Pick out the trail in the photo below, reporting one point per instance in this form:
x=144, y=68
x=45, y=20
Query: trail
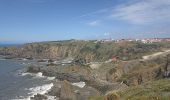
x=152, y=56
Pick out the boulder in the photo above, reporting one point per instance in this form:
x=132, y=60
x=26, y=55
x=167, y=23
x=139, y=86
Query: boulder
x=67, y=92
x=64, y=89
x=85, y=93
x=112, y=96
x=39, y=97
x=33, y=69
x=56, y=89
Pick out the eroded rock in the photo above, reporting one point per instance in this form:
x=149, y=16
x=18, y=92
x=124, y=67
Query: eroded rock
x=67, y=92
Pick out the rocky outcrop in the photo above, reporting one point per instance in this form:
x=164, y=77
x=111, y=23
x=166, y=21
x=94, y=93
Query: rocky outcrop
x=105, y=87
x=71, y=77
x=56, y=89
x=34, y=69
x=48, y=50
x=114, y=74
x=67, y=92
x=141, y=72
x=112, y=96
x=138, y=78
x=166, y=69
x=85, y=93
x=39, y=97
x=71, y=73
x=89, y=50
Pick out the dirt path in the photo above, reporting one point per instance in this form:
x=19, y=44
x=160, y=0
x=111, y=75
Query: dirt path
x=155, y=55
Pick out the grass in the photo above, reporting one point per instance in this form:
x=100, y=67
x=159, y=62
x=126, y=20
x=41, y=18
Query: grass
x=96, y=98
x=156, y=90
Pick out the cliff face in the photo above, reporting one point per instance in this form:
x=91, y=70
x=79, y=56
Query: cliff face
x=83, y=49
x=139, y=72
x=39, y=50
x=89, y=50
x=49, y=51
x=103, y=77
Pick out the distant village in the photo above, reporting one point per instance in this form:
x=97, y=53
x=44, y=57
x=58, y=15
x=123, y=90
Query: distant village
x=146, y=40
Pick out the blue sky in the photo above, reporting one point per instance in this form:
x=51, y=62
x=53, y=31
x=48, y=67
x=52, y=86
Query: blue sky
x=49, y=20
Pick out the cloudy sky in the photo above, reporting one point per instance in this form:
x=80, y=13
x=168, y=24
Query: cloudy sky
x=46, y=20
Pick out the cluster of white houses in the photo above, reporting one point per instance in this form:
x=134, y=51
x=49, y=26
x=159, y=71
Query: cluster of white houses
x=154, y=40
x=146, y=40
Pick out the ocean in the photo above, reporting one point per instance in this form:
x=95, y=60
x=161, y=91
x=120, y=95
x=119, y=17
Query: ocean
x=16, y=85
x=10, y=45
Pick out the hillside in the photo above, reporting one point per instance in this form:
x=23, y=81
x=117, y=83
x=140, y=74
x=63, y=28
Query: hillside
x=109, y=70
x=89, y=50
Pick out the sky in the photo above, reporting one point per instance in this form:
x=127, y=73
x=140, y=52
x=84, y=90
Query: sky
x=50, y=20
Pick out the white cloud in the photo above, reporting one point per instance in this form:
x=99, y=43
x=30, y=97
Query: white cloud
x=144, y=15
x=143, y=12
x=94, y=23
x=101, y=11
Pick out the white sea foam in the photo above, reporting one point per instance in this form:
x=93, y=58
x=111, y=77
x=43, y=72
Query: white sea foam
x=39, y=90
x=50, y=78
x=42, y=90
x=38, y=75
x=24, y=74
x=52, y=98
x=23, y=63
x=79, y=84
x=24, y=59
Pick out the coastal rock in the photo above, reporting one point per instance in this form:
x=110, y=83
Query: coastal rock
x=74, y=92
x=39, y=97
x=71, y=73
x=112, y=96
x=56, y=89
x=71, y=77
x=67, y=92
x=105, y=87
x=64, y=75
x=88, y=50
x=85, y=93
x=144, y=71
x=34, y=69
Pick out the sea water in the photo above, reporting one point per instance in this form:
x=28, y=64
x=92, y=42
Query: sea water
x=15, y=85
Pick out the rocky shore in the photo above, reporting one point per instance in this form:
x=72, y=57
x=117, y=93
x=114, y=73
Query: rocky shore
x=89, y=71
x=94, y=85
x=75, y=81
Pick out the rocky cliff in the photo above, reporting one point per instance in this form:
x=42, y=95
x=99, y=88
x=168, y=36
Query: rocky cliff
x=89, y=50
x=121, y=66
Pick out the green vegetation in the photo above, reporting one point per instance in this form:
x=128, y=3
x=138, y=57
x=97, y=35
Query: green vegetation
x=105, y=51
x=96, y=98
x=90, y=50
x=110, y=63
x=156, y=90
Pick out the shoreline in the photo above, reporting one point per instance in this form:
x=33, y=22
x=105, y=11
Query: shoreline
x=38, y=90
